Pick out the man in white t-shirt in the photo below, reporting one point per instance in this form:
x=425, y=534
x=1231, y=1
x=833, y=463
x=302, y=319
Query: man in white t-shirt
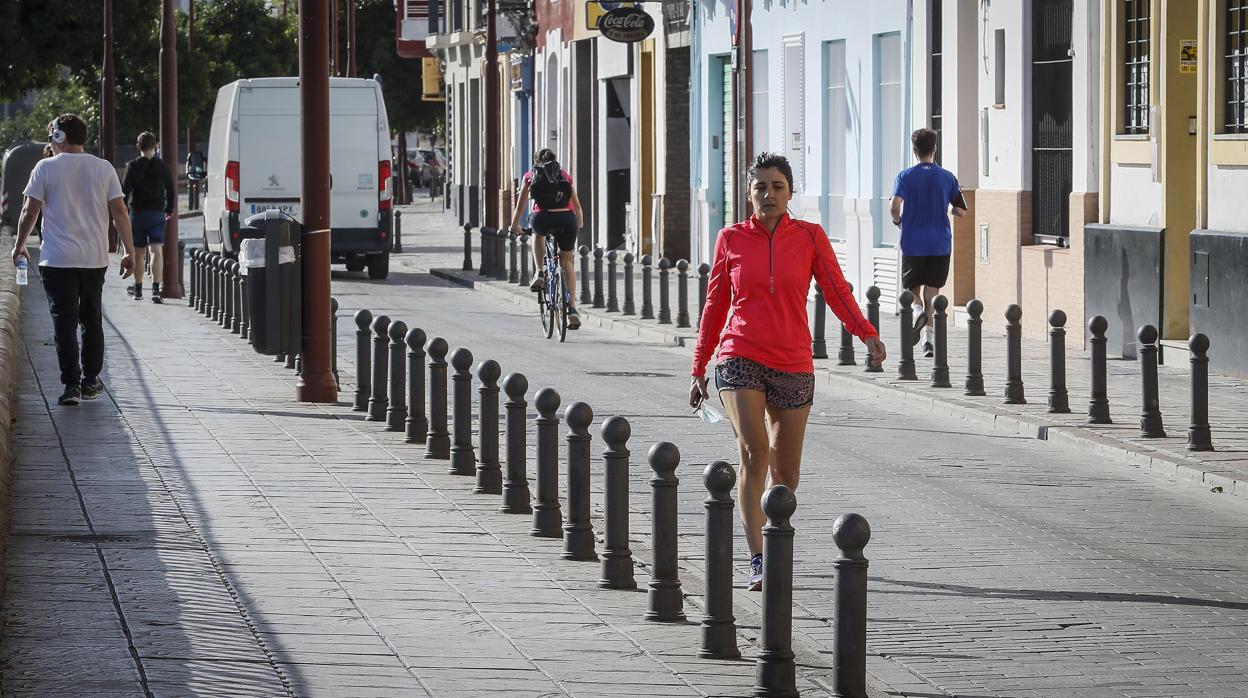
x=77, y=193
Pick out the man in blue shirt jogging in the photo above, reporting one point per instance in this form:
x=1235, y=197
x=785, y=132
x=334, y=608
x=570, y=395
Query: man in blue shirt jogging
x=927, y=190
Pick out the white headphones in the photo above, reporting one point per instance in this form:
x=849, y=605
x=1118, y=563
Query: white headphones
x=55, y=134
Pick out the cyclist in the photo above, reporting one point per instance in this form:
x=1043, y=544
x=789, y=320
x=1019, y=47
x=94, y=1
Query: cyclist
x=764, y=372
x=556, y=211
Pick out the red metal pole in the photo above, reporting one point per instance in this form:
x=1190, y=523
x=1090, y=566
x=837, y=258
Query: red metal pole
x=492, y=110
x=316, y=383
x=108, y=108
x=172, y=285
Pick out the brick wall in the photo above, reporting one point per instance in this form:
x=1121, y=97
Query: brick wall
x=677, y=216
x=998, y=281
x=961, y=286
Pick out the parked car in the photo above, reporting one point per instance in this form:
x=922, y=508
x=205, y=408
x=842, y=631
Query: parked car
x=425, y=165
x=19, y=161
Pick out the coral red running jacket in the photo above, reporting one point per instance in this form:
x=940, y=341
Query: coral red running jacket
x=764, y=278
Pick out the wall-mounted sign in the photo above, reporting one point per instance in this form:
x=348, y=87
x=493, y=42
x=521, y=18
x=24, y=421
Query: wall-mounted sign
x=595, y=9
x=626, y=25
x=1189, y=56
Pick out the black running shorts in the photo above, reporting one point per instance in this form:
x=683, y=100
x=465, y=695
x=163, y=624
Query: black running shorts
x=931, y=271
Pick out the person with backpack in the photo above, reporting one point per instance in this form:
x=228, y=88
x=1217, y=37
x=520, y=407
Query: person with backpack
x=148, y=188
x=556, y=211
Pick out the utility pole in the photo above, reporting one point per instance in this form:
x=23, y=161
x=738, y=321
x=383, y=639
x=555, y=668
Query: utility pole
x=491, y=114
x=316, y=382
x=108, y=108
x=190, y=131
x=352, y=59
x=172, y=286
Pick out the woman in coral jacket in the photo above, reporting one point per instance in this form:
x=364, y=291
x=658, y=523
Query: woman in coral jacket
x=763, y=370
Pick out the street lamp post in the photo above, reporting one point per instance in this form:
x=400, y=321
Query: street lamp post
x=108, y=107
x=316, y=382
x=172, y=285
x=491, y=114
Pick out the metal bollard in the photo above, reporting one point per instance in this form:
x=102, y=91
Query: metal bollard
x=333, y=333
x=240, y=301
x=682, y=293
x=363, y=318
x=905, y=367
x=1150, y=415
x=489, y=473
x=1198, y=436
x=774, y=671
x=578, y=534
x=463, y=455
x=613, y=305
x=665, y=603
x=940, y=348
x=417, y=424
x=1059, y=398
x=398, y=232
x=500, y=255
x=647, y=297
x=586, y=297
x=210, y=286
x=819, y=342
x=525, y=278
x=487, y=252
x=1014, y=356
x=629, y=307
x=873, y=316
x=513, y=271
x=719, y=626
x=974, y=349
x=704, y=280
x=467, y=249
x=516, y=487
x=438, y=440
x=396, y=410
x=851, y=533
x=190, y=297
x=598, y=301
x=218, y=299
x=197, y=266
x=244, y=326
x=292, y=359
x=1098, y=404
x=547, y=518
x=227, y=294
x=377, y=401
x=665, y=300
x=846, y=355
x=617, y=558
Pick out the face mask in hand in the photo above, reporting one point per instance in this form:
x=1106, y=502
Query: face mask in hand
x=709, y=414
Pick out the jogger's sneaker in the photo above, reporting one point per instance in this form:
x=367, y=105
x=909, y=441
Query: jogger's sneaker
x=919, y=323
x=91, y=389
x=928, y=350
x=574, y=319
x=539, y=281
x=70, y=396
x=156, y=294
x=756, y=573
x=158, y=300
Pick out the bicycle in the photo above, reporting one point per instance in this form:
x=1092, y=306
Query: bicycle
x=554, y=315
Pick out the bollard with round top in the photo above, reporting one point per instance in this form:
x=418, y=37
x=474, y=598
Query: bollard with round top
x=381, y=344
x=873, y=316
x=467, y=266
x=1014, y=356
x=774, y=671
x=905, y=366
x=851, y=533
x=586, y=297
x=333, y=335
x=417, y=424
x=719, y=626
x=214, y=288
x=363, y=318
x=513, y=272
x=236, y=320
x=525, y=278
x=227, y=294
x=578, y=534
x=438, y=440
x=547, y=517
x=244, y=325
x=396, y=410
x=665, y=300
x=1150, y=413
x=617, y=558
x=463, y=455
x=704, y=280
x=846, y=355
x=398, y=232
x=487, y=252
x=613, y=303
x=664, y=601
x=516, y=487
x=1059, y=398
x=598, y=298
x=629, y=307
x=500, y=255
x=647, y=296
x=1198, y=436
x=197, y=269
x=1098, y=403
x=940, y=344
x=489, y=473
x=974, y=349
x=819, y=338
x=190, y=297
x=682, y=293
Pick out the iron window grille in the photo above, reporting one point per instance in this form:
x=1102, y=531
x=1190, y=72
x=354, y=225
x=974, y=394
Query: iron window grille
x=1136, y=65
x=935, y=64
x=1236, y=87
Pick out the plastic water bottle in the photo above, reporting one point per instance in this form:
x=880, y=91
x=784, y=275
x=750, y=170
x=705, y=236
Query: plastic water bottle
x=22, y=276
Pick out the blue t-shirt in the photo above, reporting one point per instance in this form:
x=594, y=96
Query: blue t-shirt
x=927, y=190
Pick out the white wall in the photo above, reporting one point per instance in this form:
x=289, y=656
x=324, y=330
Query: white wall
x=1228, y=205
x=1009, y=132
x=1135, y=199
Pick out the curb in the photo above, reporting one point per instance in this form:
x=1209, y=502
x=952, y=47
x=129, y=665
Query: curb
x=10, y=357
x=1071, y=437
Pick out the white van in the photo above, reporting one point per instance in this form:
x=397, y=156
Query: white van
x=254, y=164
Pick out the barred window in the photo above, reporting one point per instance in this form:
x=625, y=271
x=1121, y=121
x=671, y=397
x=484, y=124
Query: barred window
x=936, y=61
x=1236, y=87
x=1136, y=65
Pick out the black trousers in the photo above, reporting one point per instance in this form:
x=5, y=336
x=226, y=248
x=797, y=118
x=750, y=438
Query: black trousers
x=74, y=297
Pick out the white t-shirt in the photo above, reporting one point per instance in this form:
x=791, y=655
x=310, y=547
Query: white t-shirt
x=75, y=189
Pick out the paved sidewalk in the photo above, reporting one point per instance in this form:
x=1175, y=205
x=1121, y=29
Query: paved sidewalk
x=440, y=248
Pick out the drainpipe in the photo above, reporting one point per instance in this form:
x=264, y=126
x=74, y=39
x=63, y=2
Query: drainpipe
x=746, y=97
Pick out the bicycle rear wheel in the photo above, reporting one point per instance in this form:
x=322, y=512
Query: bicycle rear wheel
x=545, y=312
x=562, y=304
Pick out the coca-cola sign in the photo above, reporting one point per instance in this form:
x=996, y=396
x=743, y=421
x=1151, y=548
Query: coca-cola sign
x=626, y=24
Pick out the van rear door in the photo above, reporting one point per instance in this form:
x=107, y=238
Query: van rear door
x=268, y=152
x=353, y=156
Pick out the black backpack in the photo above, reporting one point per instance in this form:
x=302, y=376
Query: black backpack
x=548, y=188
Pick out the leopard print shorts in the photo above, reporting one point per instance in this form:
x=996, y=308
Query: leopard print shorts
x=784, y=391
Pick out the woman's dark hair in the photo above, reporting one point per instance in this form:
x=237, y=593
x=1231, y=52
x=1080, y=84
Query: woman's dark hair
x=543, y=156
x=147, y=140
x=764, y=161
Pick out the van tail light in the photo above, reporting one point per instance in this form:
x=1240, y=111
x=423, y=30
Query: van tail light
x=231, y=186
x=385, y=198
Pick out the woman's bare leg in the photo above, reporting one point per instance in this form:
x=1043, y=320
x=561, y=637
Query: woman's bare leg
x=746, y=409
x=787, y=433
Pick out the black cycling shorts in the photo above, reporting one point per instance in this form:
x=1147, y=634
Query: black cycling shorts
x=561, y=224
x=931, y=271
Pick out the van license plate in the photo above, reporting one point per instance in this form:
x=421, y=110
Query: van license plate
x=290, y=209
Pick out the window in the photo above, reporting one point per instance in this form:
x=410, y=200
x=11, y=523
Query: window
x=934, y=67
x=760, y=105
x=836, y=120
x=1135, y=65
x=1236, y=88
x=891, y=138
x=998, y=64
